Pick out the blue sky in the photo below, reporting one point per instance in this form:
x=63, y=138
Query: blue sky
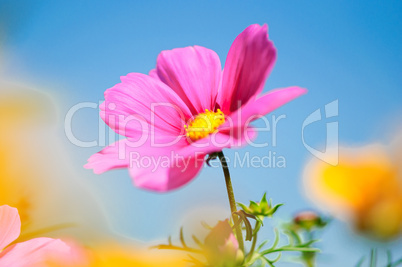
x=339, y=50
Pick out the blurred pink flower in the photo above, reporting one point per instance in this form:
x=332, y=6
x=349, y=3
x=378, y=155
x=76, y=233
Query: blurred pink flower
x=221, y=246
x=34, y=252
x=187, y=108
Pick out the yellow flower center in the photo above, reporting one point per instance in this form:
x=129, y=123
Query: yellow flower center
x=204, y=124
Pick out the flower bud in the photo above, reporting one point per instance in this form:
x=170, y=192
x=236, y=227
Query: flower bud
x=308, y=220
x=260, y=209
x=221, y=246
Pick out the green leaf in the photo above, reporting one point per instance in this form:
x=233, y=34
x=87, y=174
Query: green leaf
x=307, y=244
x=253, y=259
x=265, y=260
x=241, y=205
x=206, y=226
x=274, y=209
x=293, y=237
x=397, y=263
x=197, y=241
x=389, y=258
x=289, y=248
x=254, y=207
x=195, y=261
x=182, y=238
x=264, y=199
x=276, y=241
x=264, y=206
x=373, y=258
x=262, y=245
x=277, y=258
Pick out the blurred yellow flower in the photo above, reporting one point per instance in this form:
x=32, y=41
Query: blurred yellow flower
x=19, y=111
x=36, y=174
x=364, y=188
x=111, y=255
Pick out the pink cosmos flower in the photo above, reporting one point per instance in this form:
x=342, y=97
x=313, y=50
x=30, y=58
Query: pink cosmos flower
x=187, y=108
x=32, y=253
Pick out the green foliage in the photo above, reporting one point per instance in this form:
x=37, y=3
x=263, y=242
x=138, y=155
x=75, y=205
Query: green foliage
x=374, y=261
x=301, y=230
x=220, y=248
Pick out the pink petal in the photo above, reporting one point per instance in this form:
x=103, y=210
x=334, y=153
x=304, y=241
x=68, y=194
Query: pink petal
x=32, y=252
x=162, y=168
x=108, y=158
x=163, y=179
x=232, y=239
x=139, y=101
x=10, y=225
x=180, y=175
x=154, y=74
x=117, y=155
x=194, y=73
x=261, y=106
x=248, y=64
x=227, y=138
x=152, y=166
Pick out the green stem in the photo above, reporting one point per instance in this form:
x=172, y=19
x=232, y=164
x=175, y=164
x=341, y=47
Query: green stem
x=250, y=254
x=232, y=200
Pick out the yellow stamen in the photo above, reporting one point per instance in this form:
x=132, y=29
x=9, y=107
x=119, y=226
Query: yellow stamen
x=204, y=124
